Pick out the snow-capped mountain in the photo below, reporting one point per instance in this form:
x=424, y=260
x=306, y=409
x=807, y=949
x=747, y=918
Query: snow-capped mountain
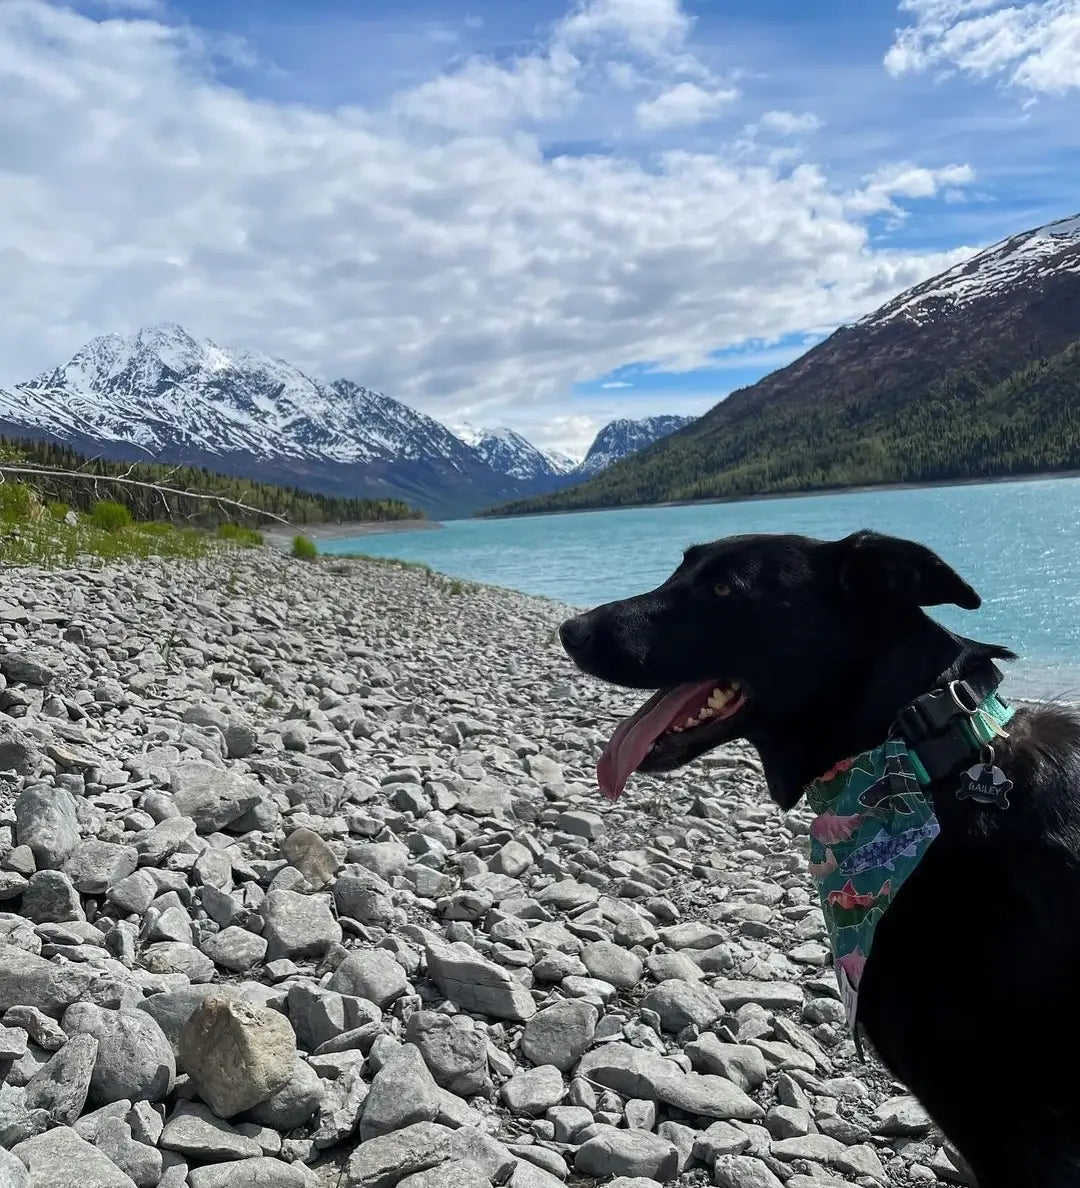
x=1021, y=260
x=507, y=452
x=619, y=439
x=162, y=394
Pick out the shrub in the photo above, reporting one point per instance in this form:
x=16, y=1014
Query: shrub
x=304, y=548
x=16, y=502
x=57, y=510
x=110, y=516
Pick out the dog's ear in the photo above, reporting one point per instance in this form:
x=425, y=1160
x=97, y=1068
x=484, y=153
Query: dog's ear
x=895, y=572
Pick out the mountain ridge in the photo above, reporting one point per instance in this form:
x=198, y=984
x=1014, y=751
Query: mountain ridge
x=970, y=374
x=162, y=395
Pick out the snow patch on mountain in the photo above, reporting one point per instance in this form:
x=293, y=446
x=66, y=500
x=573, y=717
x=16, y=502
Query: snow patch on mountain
x=1019, y=260
x=620, y=438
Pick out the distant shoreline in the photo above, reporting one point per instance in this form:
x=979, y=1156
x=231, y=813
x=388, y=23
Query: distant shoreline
x=860, y=489
x=281, y=534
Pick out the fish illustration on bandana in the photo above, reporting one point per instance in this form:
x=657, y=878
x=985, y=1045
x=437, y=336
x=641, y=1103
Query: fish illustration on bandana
x=872, y=828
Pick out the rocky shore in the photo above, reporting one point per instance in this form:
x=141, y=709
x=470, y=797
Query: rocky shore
x=304, y=880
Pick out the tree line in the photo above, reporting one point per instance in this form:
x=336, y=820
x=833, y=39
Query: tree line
x=291, y=503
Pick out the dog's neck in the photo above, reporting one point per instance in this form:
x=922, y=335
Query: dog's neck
x=856, y=710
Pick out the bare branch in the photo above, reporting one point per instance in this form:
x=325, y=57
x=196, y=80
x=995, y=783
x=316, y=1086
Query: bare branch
x=159, y=488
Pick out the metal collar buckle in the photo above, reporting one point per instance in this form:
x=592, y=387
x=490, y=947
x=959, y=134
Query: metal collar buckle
x=964, y=697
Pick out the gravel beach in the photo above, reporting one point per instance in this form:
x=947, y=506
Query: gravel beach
x=305, y=881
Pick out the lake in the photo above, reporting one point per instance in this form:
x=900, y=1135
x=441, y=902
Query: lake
x=1017, y=543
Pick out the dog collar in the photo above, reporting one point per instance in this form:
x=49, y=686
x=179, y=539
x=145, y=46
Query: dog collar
x=875, y=819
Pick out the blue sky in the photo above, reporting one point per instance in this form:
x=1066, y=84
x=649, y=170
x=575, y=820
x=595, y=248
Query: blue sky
x=536, y=214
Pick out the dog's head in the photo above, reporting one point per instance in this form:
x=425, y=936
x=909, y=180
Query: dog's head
x=751, y=635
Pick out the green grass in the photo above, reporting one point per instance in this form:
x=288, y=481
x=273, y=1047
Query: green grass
x=237, y=534
x=38, y=535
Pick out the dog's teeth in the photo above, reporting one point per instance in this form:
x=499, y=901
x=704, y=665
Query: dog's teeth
x=689, y=722
x=719, y=698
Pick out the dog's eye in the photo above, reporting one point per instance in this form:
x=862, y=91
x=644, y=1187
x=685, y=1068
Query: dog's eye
x=721, y=589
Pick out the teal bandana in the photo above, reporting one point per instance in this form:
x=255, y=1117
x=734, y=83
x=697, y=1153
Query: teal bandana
x=874, y=823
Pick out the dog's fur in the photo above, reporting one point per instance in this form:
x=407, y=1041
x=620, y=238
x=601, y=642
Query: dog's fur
x=971, y=996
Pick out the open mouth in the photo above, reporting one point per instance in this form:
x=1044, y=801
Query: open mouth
x=670, y=729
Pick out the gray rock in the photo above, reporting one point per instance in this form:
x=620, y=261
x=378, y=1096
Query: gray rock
x=309, y=854
x=134, y=1059
x=627, y=1153
x=94, y=866
x=383, y=1162
x=143, y=1163
x=403, y=1092
x=901, y=1116
x=819, y=1148
x=237, y=1054
x=21, y=669
x=741, y=1171
x=43, y=1031
x=319, y=1015
x=534, y=1091
x=18, y=751
x=29, y=980
x=741, y=1063
x=298, y=926
x=12, y=1043
x=294, y=1104
x=455, y=1173
x=454, y=1050
x=193, y=1130
x=211, y=796
x=13, y=1173
x=235, y=949
x=611, y=963
x=50, y=898
x=61, y=1087
x=251, y=1173
x=560, y=1034
x=47, y=822
x=634, y=1072
x=342, y=1106
x=60, y=1157
x=476, y=984
x=373, y=975
x=681, y=1004
x=773, y=996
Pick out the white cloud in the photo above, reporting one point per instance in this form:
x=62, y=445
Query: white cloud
x=683, y=105
x=789, y=123
x=1033, y=46
x=653, y=27
x=617, y=384
x=444, y=258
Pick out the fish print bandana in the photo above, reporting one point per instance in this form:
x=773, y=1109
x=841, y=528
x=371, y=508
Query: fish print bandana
x=874, y=824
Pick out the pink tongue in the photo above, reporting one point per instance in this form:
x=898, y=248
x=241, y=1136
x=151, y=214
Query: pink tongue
x=634, y=736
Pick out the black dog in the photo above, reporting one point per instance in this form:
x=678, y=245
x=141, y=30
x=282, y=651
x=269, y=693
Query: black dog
x=813, y=650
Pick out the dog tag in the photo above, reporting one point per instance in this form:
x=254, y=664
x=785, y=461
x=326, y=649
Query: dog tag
x=985, y=783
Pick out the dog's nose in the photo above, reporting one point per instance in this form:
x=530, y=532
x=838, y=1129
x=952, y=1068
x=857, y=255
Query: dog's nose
x=575, y=633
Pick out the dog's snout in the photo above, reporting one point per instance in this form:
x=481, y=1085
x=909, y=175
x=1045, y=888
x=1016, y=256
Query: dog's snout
x=575, y=633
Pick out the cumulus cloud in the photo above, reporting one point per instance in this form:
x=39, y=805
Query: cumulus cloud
x=789, y=123
x=682, y=105
x=1033, y=46
x=448, y=258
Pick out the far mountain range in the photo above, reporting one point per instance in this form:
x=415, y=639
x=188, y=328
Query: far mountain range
x=163, y=395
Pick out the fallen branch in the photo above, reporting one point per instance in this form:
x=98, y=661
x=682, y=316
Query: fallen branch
x=159, y=489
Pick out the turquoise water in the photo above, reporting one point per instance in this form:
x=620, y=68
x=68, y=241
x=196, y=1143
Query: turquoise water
x=1017, y=543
